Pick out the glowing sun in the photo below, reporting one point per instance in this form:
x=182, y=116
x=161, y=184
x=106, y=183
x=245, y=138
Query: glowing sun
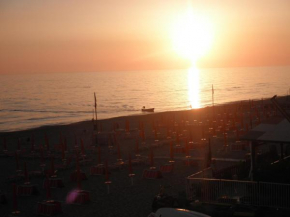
x=192, y=35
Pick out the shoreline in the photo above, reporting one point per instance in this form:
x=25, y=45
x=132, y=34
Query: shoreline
x=85, y=122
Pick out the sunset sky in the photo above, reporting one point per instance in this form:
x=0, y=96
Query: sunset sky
x=80, y=36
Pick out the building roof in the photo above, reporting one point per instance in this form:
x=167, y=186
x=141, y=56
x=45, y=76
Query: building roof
x=276, y=130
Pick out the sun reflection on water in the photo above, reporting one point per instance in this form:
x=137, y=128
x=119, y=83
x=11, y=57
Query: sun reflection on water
x=193, y=87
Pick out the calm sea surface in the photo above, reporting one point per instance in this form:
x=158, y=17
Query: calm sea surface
x=32, y=100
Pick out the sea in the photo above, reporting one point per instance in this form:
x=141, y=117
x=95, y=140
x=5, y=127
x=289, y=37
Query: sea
x=36, y=99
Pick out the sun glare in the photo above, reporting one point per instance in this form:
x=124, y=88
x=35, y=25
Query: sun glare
x=192, y=35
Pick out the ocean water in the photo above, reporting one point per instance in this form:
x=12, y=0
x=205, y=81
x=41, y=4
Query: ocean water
x=33, y=100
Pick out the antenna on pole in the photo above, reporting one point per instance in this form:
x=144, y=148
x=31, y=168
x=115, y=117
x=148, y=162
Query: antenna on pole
x=96, y=119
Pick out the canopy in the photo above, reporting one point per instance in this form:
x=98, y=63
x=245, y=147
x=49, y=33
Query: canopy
x=275, y=130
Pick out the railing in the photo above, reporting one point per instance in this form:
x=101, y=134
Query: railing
x=239, y=192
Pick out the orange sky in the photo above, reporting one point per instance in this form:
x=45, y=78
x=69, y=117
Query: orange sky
x=74, y=35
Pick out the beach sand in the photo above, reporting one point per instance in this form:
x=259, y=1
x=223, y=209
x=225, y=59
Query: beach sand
x=124, y=199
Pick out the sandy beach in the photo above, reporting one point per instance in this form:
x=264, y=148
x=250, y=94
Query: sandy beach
x=124, y=198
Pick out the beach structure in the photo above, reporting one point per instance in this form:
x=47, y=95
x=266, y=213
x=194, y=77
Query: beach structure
x=26, y=189
x=14, y=200
x=130, y=167
x=261, y=181
x=77, y=174
x=49, y=207
x=108, y=182
x=152, y=172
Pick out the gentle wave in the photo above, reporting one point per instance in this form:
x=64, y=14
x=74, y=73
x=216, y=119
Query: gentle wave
x=34, y=103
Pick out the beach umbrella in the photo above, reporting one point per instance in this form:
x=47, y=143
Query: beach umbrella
x=48, y=190
x=130, y=165
x=143, y=135
x=190, y=136
x=177, y=137
x=151, y=157
x=18, y=145
x=110, y=142
x=225, y=140
x=26, y=177
x=41, y=157
x=82, y=147
x=213, y=130
x=79, y=178
x=4, y=144
x=168, y=132
x=247, y=127
x=32, y=143
x=242, y=120
x=251, y=121
x=171, y=153
x=101, y=127
x=119, y=151
x=153, y=125
x=99, y=156
x=46, y=141
x=155, y=136
x=115, y=138
x=15, y=204
x=127, y=126
x=203, y=133
x=17, y=162
x=209, y=157
x=107, y=177
x=76, y=141
x=137, y=147
x=186, y=146
x=52, y=168
x=131, y=174
x=237, y=134
x=142, y=125
x=60, y=138
x=63, y=152
x=139, y=126
x=65, y=144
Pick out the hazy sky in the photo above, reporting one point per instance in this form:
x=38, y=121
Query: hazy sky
x=75, y=35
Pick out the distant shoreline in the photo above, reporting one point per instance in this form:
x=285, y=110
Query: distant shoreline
x=118, y=118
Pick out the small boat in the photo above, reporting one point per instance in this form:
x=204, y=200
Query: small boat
x=147, y=109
